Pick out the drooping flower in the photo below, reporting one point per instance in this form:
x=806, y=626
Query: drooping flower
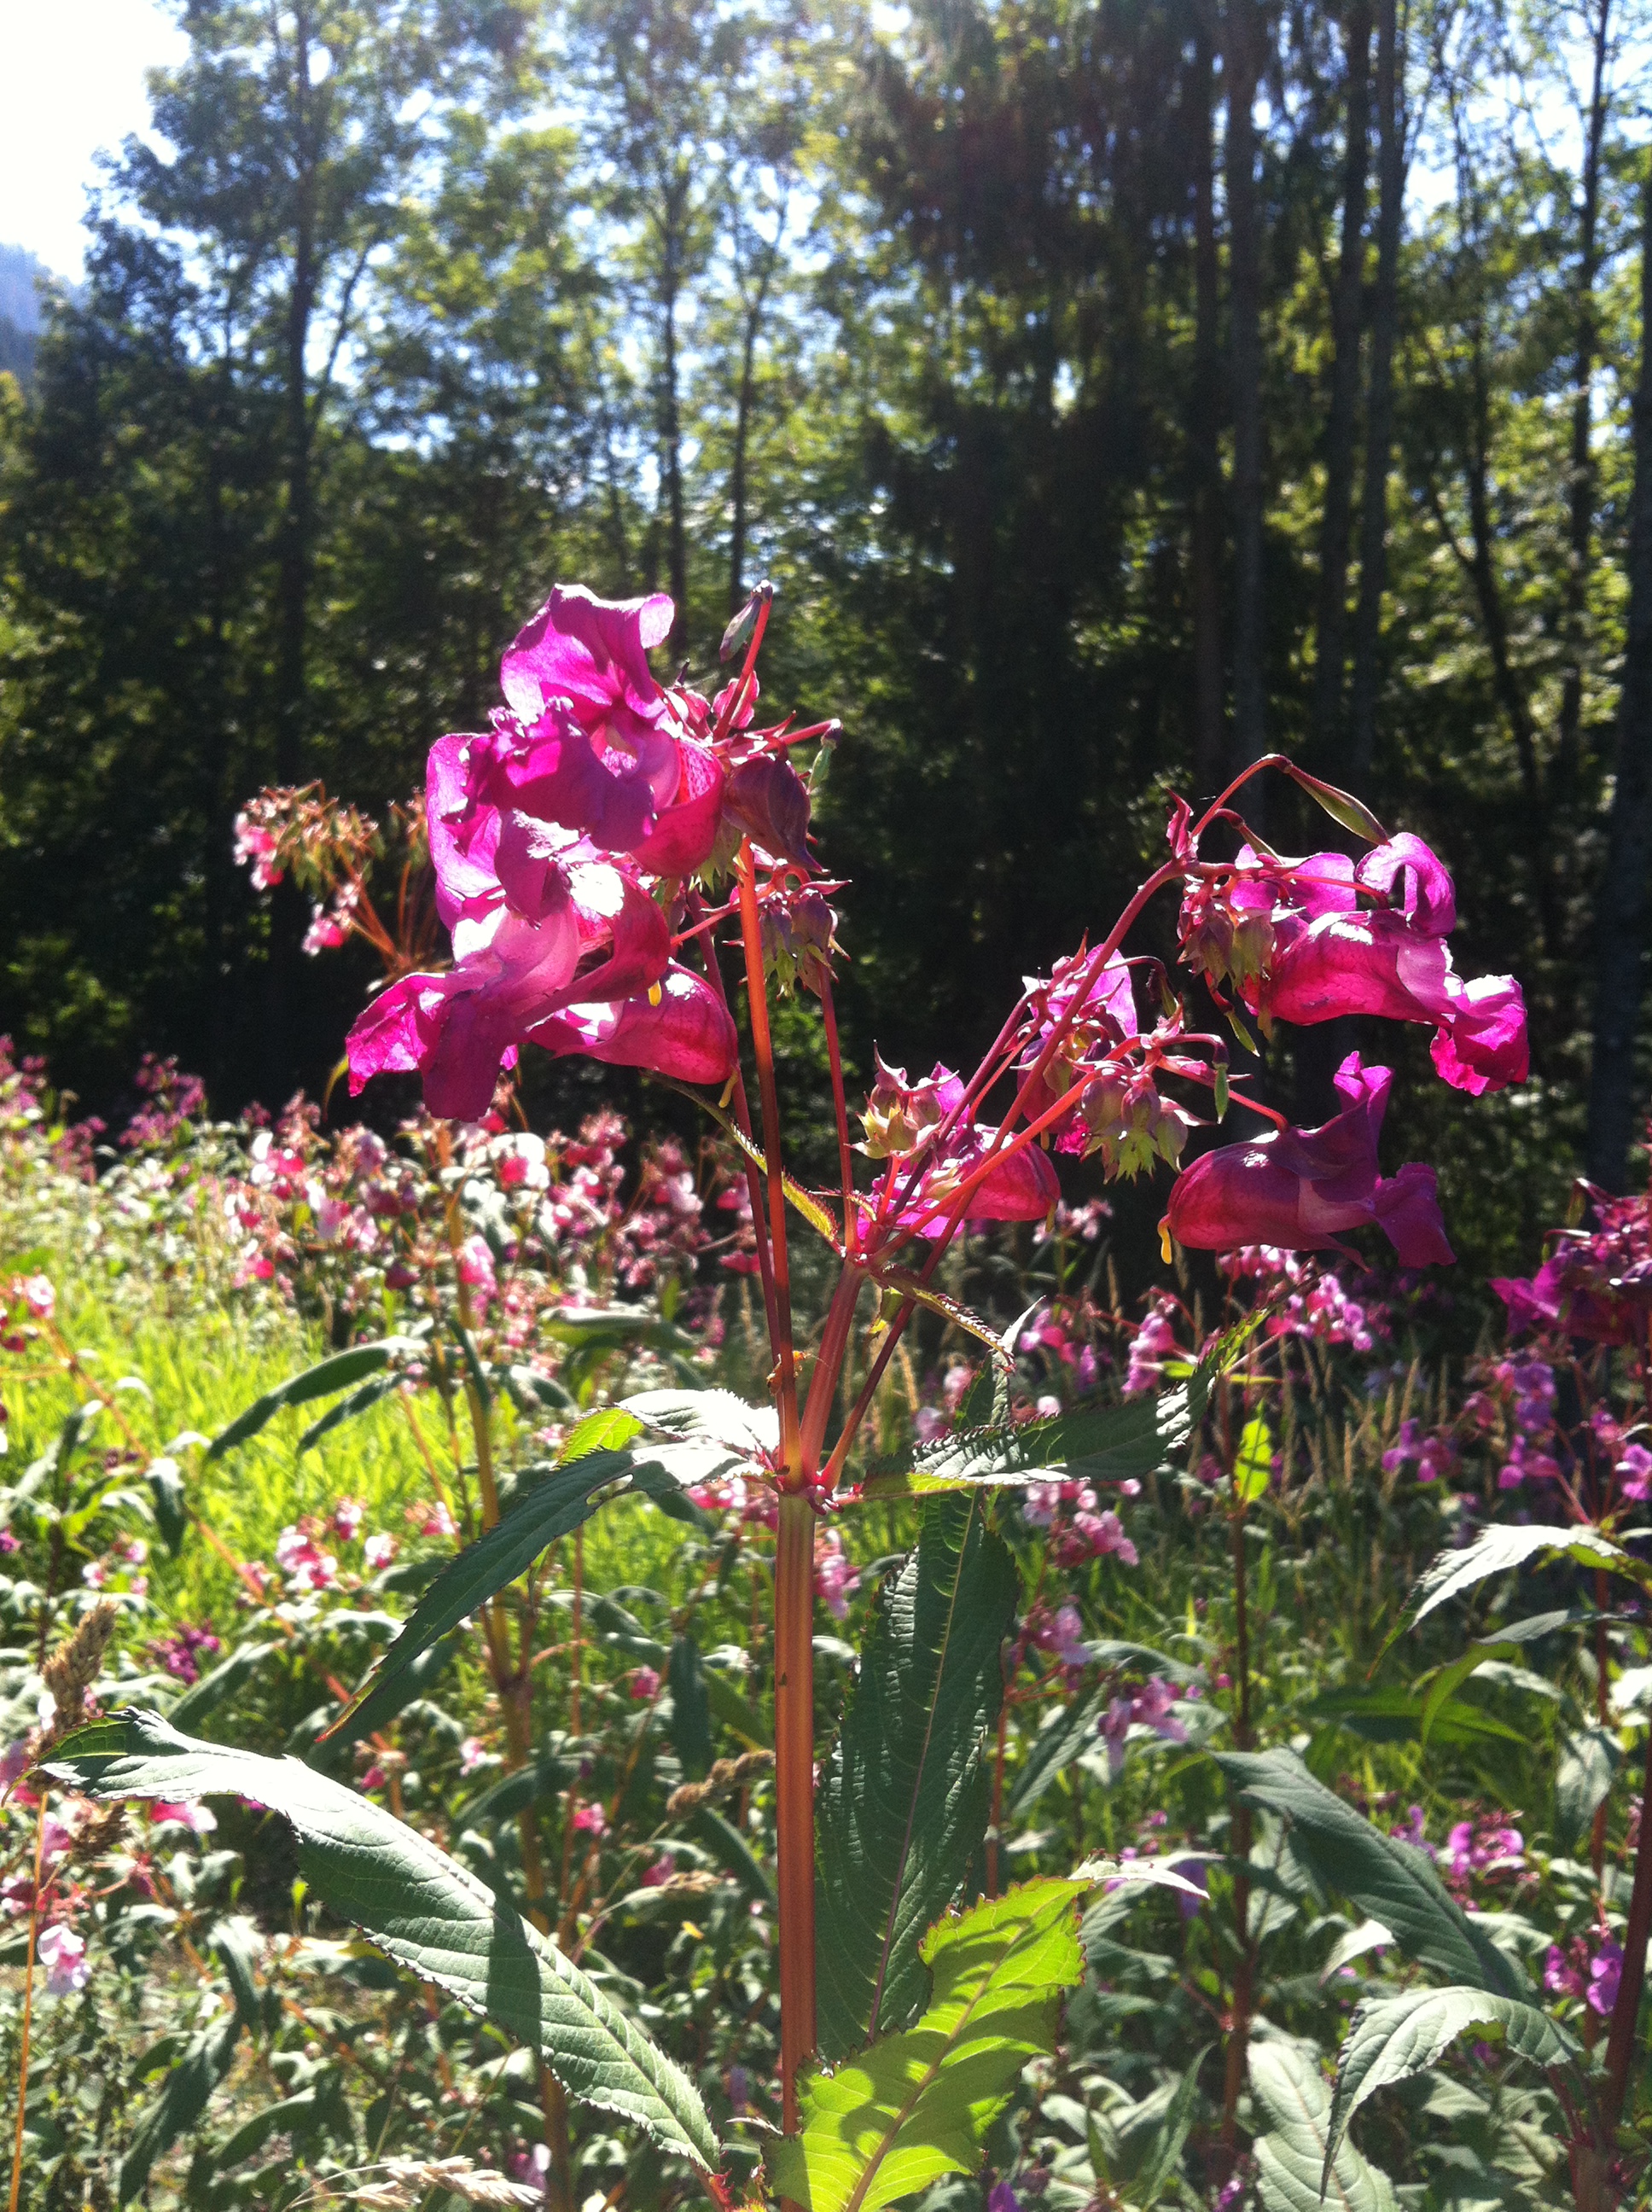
x=1298, y=944
x=1304, y=1189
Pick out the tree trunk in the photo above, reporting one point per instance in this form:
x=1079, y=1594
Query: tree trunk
x=1621, y=915
x=1205, y=550
x=294, y=555
x=1580, y=502
x=1336, y=524
x=737, y=474
x=1379, y=404
x=293, y=563
x=1243, y=28
x=670, y=414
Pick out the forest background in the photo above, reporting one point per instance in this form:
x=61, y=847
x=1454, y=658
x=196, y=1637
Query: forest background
x=1114, y=392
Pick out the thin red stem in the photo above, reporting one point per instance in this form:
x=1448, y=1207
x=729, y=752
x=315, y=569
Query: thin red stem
x=828, y=1365
x=785, y=1374
x=794, y=1788
x=753, y=1181
x=845, y=1158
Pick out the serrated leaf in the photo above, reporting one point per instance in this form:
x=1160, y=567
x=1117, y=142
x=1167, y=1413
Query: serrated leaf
x=1588, y=1759
x=420, y=1907
x=904, y=1799
x=916, y=2105
x=714, y=1417
x=1291, y=2157
x=338, y=1373
x=1391, y=2037
x=1391, y=1881
x=1498, y=1550
x=190, y=2080
x=1253, y=1468
x=960, y=1316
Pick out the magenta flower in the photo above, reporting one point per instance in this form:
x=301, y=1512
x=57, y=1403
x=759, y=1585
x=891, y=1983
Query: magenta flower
x=1303, y=1189
x=542, y=834
x=1605, y=1972
x=1297, y=942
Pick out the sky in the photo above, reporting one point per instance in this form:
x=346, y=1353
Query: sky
x=73, y=70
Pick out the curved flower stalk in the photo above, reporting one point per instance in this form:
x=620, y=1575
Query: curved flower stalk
x=608, y=840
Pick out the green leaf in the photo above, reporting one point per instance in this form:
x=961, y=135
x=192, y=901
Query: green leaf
x=603, y=1328
x=1588, y=1759
x=1253, y=1468
x=1498, y=1550
x=338, y=1373
x=550, y=1509
x=166, y=1480
x=1292, y=2157
x=733, y=1854
x=190, y=2080
x=903, y=1802
x=1390, y=1881
x=236, y=1941
x=422, y=1908
x=225, y=1678
x=362, y=1400
x=916, y=2105
x=1393, y=1715
x=1392, y=2037
x=691, y=1729
x=1164, y=2153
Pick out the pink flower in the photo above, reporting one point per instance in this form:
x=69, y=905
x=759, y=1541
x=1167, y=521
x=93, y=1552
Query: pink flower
x=1636, y=1468
x=475, y=1264
x=256, y=846
x=644, y=1683
x=656, y=1875
x=1153, y=1343
x=1302, y=1189
x=590, y=1820
x=1295, y=939
x=837, y=1576
x=346, y=1518
x=186, y=1813
x=1605, y=1972
x=472, y=1753
x=305, y=1566
x=324, y=934
x=378, y=1552
x=63, y=1953
x=1151, y=1706
x=38, y=1295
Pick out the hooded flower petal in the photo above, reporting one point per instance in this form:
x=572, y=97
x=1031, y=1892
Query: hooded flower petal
x=1303, y=1189
x=592, y=652
x=685, y=831
x=686, y=1032
x=1427, y=899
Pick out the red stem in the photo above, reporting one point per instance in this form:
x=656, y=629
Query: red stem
x=753, y=1181
x=785, y=1373
x=794, y=1788
x=828, y=1365
x=845, y=1161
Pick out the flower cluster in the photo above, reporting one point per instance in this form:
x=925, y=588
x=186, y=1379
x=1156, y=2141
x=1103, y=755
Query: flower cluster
x=1591, y=1973
x=565, y=839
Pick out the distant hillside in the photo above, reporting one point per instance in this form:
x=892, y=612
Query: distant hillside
x=21, y=275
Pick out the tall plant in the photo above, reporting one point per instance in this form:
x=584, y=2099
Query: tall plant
x=600, y=852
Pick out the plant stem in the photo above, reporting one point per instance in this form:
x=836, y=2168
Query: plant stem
x=845, y=1161
x=1239, y=2032
x=29, y=2003
x=1626, y=2013
x=794, y=1787
x=762, y=1044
